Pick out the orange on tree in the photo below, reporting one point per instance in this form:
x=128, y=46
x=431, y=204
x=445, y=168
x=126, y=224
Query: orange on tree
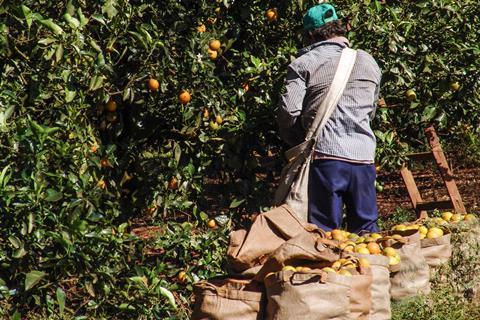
x=111, y=106
x=153, y=84
x=245, y=86
x=184, y=97
x=411, y=95
x=173, y=183
x=212, y=224
x=182, y=276
x=454, y=86
x=206, y=114
x=212, y=54
x=101, y=184
x=214, y=45
x=271, y=14
x=213, y=125
x=105, y=163
x=201, y=28
x=219, y=119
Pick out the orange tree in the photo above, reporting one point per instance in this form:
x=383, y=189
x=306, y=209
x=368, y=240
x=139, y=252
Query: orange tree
x=120, y=113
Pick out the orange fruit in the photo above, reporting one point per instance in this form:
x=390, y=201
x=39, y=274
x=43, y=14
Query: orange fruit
x=206, y=114
x=213, y=125
x=214, y=45
x=201, y=28
x=271, y=14
x=291, y=268
x=105, y=163
x=219, y=119
x=434, y=233
x=338, y=235
x=153, y=84
x=94, y=148
x=212, y=54
x=389, y=252
x=173, y=183
x=374, y=248
x=245, y=86
x=212, y=224
x=184, y=97
x=111, y=106
x=344, y=272
x=101, y=184
x=182, y=276
x=364, y=262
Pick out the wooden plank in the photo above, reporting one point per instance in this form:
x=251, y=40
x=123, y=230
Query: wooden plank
x=421, y=156
x=432, y=205
x=413, y=192
x=444, y=169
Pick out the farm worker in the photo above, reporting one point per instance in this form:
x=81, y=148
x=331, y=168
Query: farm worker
x=343, y=170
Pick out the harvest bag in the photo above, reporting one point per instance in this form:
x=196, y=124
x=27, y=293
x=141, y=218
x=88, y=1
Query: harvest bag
x=269, y=231
x=228, y=299
x=315, y=296
x=293, y=188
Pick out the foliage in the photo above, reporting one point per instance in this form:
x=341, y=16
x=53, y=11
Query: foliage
x=75, y=177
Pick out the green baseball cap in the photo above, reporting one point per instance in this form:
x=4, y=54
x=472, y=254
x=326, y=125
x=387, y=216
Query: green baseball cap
x=319, y=15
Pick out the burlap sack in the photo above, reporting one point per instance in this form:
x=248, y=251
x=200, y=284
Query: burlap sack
x=228, y=299
x=306, y=249
x=361, y=295
x=412, y=275
x=436, y=251
x=313, y=296
x=380, y=288
x=269, y=230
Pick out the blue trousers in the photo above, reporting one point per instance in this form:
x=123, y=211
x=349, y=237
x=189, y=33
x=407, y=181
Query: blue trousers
x=333, y=183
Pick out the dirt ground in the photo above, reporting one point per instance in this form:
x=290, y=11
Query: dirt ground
x=431, y=188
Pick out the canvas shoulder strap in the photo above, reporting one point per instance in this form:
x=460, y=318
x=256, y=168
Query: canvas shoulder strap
x=329, y=103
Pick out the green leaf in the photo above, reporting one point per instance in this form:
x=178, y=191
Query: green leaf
x=109, y=8
x=96, y=83
x=17, y=316
x=235, y=203
x=27, y=13
x=16, y=243
x=4, y=181
x=59, y=53
x=167, y=294
x=53, y=195
x=31, y=222
x=142, y=281
x=83, y=19
x=69, y=94
x=72, y=22
x=33, y=278
x=55, y=28
x=60, y=299
x=126, y=306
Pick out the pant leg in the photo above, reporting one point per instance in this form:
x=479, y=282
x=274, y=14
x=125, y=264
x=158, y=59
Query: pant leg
x=328, y=181
x=361, y=199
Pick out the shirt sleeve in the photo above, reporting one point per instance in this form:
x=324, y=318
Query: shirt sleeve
x=290, y=107
x=377, y=92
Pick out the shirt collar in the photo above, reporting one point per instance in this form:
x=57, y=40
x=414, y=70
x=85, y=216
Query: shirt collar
x=341, y=41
